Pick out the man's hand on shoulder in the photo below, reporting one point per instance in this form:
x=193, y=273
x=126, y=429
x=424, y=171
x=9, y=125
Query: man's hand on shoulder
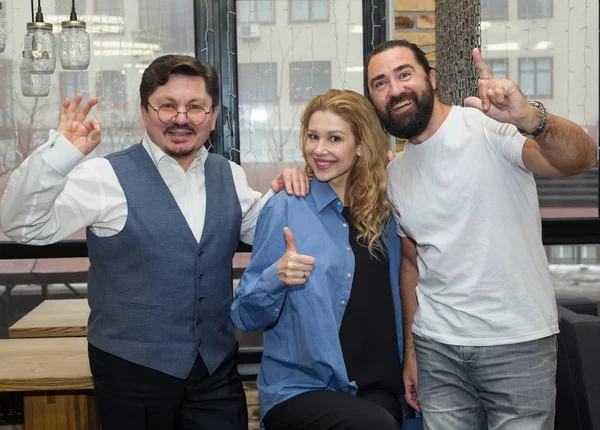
x=293, y=180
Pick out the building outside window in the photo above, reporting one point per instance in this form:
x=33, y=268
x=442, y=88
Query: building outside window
x=535, y=77
x=498, y=67
x=72, y=83
x=309, y=10
x=255, y=11
x=494, y=10
x=257, y=82
x=309, y=79
x=529, y=9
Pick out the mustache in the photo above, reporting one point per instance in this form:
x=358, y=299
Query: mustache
x=399, y=99
x=178, y=128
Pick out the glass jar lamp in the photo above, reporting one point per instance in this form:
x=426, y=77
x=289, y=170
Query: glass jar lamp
x=74, y=46
x=40, y=48
x=33, y=85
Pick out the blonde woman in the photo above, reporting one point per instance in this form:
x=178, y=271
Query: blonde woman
x=323, y=281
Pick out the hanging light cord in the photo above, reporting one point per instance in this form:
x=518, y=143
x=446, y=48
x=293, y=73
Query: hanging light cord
x=73, y=16
x=32, y=11
x=39, y=16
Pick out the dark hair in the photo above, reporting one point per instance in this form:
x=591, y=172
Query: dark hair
x=401, y=43
x=161, y=69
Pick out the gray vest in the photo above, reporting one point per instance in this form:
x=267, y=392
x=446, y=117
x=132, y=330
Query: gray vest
x=157, y=297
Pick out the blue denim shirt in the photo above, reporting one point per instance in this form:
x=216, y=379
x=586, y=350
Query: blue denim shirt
x=301, y=323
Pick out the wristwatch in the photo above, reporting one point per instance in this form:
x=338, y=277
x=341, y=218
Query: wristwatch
x=543, y=120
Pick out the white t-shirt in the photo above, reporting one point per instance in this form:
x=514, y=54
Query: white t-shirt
x=467, y=200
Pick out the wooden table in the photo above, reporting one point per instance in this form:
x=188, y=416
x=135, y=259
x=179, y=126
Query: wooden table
x=54, y=376
x=54, y=318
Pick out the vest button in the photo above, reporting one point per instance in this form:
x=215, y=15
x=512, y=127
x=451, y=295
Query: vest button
x=199, y=320
x=200, y=276
x=200, y=252
x=200, y=298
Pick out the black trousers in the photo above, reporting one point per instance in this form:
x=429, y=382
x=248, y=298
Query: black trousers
x=134, y=397
x=331, y=410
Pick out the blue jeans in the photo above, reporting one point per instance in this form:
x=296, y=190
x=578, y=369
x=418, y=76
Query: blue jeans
x=487, y=387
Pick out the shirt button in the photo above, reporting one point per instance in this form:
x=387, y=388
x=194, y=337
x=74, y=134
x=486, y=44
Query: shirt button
x=343, y=302
x=200, y=276
x=339, y=203
x=344, y=225
x=349, y=275
x=348, y=249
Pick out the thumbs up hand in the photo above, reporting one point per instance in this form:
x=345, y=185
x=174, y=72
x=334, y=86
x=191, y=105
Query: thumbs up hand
x=293, y=268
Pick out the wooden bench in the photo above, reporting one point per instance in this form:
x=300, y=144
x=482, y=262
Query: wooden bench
x=54, y=318
x=54, y=376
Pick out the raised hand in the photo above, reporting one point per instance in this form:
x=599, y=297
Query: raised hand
x=74, y=126
x=502, y=99
x=293, y=268
x=293, y=180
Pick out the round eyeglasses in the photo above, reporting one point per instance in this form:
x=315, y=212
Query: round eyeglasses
x=167, y=114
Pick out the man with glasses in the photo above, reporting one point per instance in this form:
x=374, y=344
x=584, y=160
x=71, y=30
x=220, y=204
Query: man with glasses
x=164, y=218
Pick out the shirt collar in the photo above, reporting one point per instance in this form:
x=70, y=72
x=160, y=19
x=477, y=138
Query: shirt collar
x=323, y=194
x=158, y=154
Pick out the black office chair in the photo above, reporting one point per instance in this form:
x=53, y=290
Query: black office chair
x=578, y=372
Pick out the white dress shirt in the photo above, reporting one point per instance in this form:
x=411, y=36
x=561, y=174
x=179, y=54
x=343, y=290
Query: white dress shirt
x=52, y=195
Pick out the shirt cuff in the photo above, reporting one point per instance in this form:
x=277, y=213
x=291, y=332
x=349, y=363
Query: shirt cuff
x=275, y=288
x=60, y=154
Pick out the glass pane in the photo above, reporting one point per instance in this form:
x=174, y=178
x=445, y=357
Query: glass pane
x=300, y=10
x=264, y=10
x=552, y=53
x=320, y=9
x=575, y=271
x=493, y=9
x=72, y=83
x=527, y=83
x=306, y=60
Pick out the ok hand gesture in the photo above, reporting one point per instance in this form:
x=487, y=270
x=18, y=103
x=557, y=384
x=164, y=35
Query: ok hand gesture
x=501, y=99
x=293, y=268
x=72, y=124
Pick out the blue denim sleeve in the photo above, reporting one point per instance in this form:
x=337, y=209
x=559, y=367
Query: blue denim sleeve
x=260, y=294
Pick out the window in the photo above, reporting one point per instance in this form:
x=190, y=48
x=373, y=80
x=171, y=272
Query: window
x=535, y=77
x=534, y=9
x=255, y=11
x=309, y=79
x=309, y=10
x=63, y=7
x=494, y=9
x=109, y=7
x=257, y=83
x=499, y=67
x=111, y=89
x=6, y=105
x=71, y=83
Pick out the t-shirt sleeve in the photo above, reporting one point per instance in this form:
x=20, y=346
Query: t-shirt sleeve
x=506, y=140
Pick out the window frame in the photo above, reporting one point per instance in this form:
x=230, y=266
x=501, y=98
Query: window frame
x=274, y=100
x=257, y=21
x=310, y=19
x=536, y=70
x=537, y=15
x=292, y=80
x=506, y=12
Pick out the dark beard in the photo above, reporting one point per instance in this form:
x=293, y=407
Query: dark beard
x=410, y=125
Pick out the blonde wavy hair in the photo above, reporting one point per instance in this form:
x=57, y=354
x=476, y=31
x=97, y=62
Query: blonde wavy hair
x=365, y=191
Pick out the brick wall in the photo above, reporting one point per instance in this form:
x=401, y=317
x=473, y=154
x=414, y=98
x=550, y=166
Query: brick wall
x=414, y=20
x=252, y=401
